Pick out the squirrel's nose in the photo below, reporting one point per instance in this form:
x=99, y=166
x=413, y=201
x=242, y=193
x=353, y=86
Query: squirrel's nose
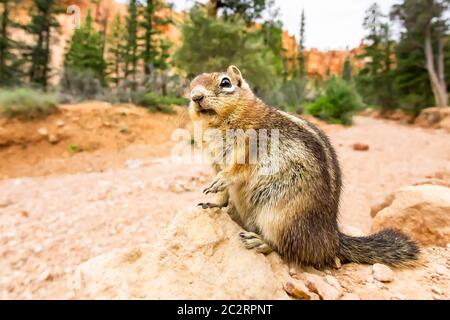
x=197, y=95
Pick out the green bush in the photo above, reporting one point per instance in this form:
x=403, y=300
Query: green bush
x=338, y=103
x=157, y=103
x=80, y=85
x=288, y=95
x=26, y=103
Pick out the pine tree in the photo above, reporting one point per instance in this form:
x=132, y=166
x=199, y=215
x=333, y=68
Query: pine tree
x=116, y=50
x=301, y=47
x=273, y=37
x=10, y=62
x=375, y=80
x=85, y=52
x=246, y=49
x=154, y=53
x=43, y=22
x=249, y=10
x=347, y=70
x=132, y=47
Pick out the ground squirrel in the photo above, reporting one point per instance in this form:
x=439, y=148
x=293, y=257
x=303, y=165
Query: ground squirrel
x=293, y=211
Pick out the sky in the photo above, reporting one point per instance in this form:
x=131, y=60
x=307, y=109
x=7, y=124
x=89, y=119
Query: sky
x=330, y=24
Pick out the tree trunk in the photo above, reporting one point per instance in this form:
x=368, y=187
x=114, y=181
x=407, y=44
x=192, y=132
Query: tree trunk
x=441, y=69
x=438, y=87
x=34, y=59
x=45, y=75
x=116, y=70
x=4, y=36
x=105, y=24
x=148, y=38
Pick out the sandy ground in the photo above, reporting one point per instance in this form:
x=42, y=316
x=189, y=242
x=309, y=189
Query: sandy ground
x=399, y=155
x=49, y=224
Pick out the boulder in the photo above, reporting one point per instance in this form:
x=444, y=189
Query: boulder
x=382, y=273
x=445, y=124
x=422, y=212
x=434, y=117
x=380, y=206
x=199, y=256
x=395, y=115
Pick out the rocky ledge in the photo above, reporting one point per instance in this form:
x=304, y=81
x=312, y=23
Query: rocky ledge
x=199, y=256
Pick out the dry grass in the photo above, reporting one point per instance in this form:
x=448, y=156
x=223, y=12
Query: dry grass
x=25, y=103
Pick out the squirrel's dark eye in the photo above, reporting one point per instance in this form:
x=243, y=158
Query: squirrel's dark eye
x=225, y=83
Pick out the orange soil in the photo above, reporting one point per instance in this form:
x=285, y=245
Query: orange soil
x=88, y=137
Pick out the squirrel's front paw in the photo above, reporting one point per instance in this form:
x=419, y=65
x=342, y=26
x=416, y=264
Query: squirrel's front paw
x=219, y=184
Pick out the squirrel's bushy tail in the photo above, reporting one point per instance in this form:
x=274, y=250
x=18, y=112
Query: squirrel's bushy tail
x=390, y=247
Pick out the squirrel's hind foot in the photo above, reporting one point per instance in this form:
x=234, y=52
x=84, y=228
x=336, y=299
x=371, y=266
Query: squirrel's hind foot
x=252, y=240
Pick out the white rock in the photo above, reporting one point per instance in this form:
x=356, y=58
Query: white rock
x=333, y=281
x=325, y=290
x=436, y=290
x=60, y=123
x=292, y=271
x=43, y=132
x=133, y=164
x=350, y=296
x=53, y=138
x=370, y=279
x=382, y=273
x=352, y=231
x=440, y=269
x=398, y=296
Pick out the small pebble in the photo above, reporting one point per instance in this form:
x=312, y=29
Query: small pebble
x=436, y=290
x=382, y=273
x=398, y=296
x=53, y=138
x=333, y=281
x=297, y=291
x=350, y=296
x=292, y=272
x=43, y=131
x=370, y=279
x=337, y=263
x=440, y=269
x=360, y=147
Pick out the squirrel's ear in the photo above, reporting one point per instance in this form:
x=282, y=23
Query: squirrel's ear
x=236, y=74
x=233, y=70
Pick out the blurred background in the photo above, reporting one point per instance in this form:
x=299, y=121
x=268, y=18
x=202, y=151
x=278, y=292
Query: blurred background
x=387, y=55
x=91, y=92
